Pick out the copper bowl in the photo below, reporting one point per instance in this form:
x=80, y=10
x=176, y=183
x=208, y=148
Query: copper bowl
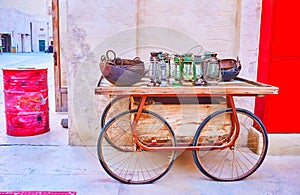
x=229, y=63
x=230, y=68
x=124, y=74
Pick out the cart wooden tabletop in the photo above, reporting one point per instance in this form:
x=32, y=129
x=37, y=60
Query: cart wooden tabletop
x=236, y=87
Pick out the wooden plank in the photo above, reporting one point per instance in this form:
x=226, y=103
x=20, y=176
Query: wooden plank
x=63, y=90
x=179, y=116
x=255, y=83
x=238, y=87
x=59, y=100
x=183, y=123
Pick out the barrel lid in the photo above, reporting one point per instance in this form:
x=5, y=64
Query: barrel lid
x=24, y=68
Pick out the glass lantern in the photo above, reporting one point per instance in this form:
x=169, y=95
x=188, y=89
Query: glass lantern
x=163, y=73
x=188, y=68
x=212, y=73
x=155, y=73
x=198, y=67
x=177, y=69
x=166, y=59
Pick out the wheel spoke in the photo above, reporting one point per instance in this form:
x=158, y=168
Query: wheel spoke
x=118, y=154
x=238, y=161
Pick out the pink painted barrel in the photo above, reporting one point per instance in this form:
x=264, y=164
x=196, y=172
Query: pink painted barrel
x=26, y=101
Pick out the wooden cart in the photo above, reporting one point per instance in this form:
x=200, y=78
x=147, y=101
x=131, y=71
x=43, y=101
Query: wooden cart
x=139, y=146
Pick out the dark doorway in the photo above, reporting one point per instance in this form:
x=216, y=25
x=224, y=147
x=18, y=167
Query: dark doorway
x=6, y=42
x=42, y=45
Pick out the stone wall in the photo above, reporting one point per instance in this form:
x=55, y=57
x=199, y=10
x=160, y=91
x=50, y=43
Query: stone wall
x=133, y=28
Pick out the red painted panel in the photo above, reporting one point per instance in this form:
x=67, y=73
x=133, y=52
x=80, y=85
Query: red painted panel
x=266, y=30
x=279, y=65
x=286, y=41
x=280, y=114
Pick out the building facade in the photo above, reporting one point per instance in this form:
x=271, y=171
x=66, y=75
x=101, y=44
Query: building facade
x=25, y=27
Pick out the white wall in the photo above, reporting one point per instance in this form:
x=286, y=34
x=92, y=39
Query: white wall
x=211, y=23
x=15, y=20
x=132, y=27
x=32, y=7
x=90, y=24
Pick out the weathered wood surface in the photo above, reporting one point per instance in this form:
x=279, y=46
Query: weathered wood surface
x=186, y=118
x=183, y=118
x=237, y=87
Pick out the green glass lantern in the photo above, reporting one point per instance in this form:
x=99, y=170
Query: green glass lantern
x=189, y=72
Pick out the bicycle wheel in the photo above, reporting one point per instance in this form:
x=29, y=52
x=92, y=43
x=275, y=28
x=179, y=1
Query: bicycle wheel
x=230, y=163
x=116, y=106
x=124, y=160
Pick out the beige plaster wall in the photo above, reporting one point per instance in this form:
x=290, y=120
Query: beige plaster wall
x=131, y=27
x=39, y=7
x=63, y=7
x=249, y=45
x=211, y=23
x=90, y=25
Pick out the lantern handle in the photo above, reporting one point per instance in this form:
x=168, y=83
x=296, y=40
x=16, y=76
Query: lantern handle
x=196, y=47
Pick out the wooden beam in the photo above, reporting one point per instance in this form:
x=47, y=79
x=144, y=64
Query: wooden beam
x=56, y=56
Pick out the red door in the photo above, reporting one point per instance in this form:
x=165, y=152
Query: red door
x=279, y=65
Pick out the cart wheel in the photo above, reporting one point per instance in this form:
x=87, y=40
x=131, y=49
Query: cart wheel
x=116, y=106
x=124, y=160
x=113, y=108
x=230, y=163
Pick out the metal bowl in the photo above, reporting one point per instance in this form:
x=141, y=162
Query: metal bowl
x=231, y=73
x=230, y=68
x=123, y=75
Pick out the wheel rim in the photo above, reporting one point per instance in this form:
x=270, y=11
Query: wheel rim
x=116, y=106
x=239, y=161
x=123, y=160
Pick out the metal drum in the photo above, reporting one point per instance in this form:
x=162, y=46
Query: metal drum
x=26, y=101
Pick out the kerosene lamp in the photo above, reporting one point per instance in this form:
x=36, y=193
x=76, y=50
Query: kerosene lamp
x=189, y=69
x=212, y=74
x=198, y=67
x=167, y=59
x=164, y=64
x=155, y=73
x=177, y=69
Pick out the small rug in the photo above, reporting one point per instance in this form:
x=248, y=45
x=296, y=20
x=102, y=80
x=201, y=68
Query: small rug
x=37, y=193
